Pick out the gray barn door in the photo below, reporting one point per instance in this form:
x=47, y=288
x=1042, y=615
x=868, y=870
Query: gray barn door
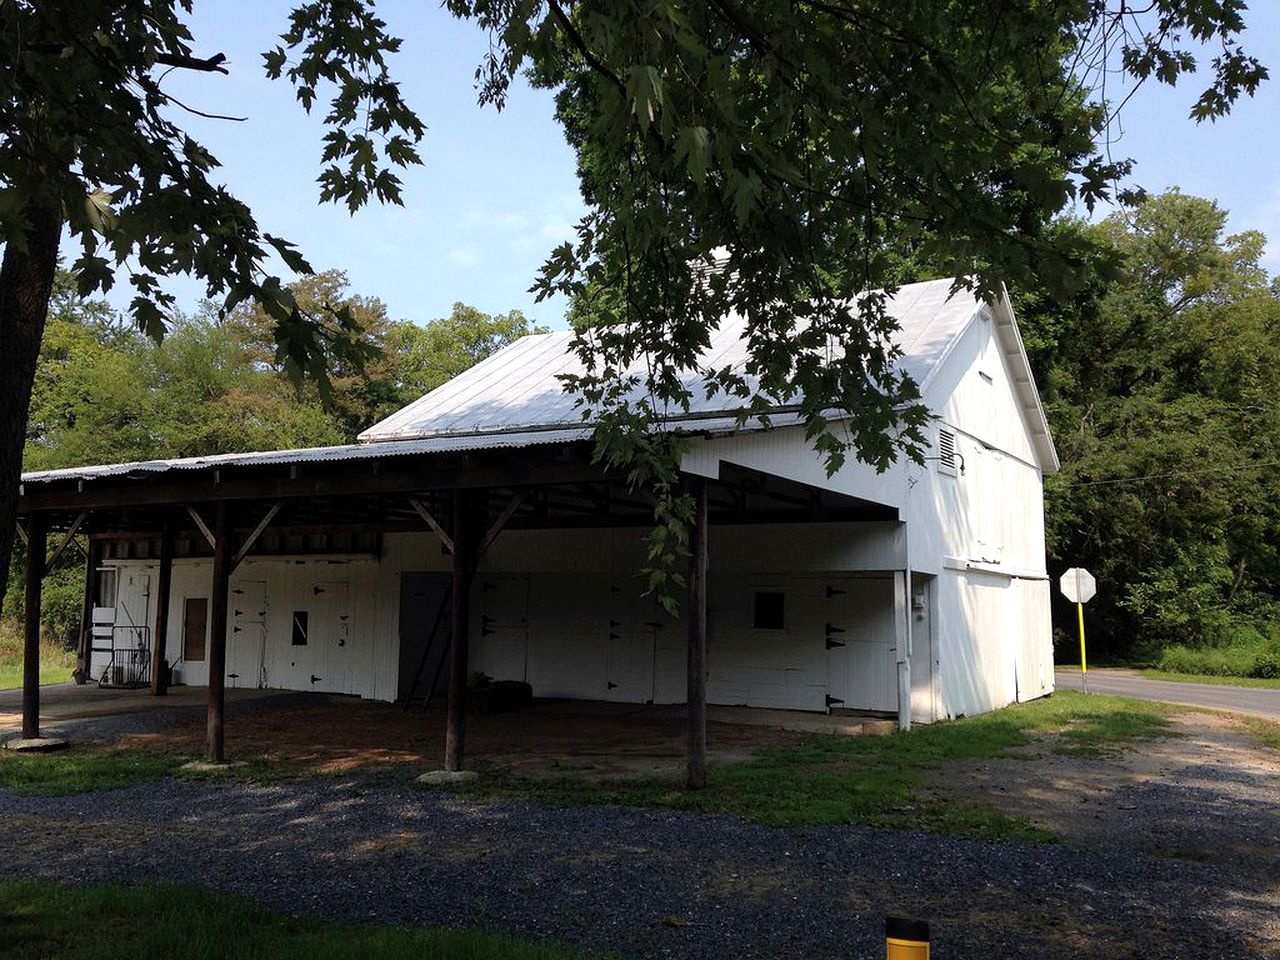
x=422, y=600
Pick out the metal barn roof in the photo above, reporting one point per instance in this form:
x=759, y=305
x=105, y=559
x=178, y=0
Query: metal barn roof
x=519, y=387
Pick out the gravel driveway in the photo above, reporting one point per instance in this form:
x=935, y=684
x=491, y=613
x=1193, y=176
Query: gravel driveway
x=641, y=883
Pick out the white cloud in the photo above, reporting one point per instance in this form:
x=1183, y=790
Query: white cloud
x=465, y=256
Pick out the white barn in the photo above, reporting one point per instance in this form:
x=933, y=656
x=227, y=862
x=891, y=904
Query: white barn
x=920, y=592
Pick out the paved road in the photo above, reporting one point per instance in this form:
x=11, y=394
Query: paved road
x=1128, y=683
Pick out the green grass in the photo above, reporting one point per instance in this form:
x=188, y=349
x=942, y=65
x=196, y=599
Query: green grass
x=879, y=781
x=1154, y=674
x=56, y=661
x=79, y=769
x=178, y=923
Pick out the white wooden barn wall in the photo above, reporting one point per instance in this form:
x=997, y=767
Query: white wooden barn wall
x=564, y=610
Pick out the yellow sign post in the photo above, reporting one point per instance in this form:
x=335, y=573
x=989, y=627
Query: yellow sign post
x=1079, y=586
x=1084, y=663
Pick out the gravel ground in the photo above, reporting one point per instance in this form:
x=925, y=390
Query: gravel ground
x=1208, y=794
x=638, y=882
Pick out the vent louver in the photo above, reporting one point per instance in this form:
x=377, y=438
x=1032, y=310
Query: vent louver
x=946, y=452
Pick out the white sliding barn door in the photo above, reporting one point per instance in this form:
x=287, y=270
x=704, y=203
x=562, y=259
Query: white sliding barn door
x=861, y=644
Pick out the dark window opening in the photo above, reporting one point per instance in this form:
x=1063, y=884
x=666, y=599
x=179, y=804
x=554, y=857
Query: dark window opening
x=770, y=611
x=299, y=628
x=104, y=593
x=195, y=626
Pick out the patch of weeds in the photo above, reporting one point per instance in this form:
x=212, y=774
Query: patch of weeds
x=1268, y=731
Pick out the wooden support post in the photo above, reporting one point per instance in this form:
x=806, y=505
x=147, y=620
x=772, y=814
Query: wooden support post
x=697, y=616
x=31, y=641
x=456, y=729
x=218, y=631
x=159, y=655
x=84, y=652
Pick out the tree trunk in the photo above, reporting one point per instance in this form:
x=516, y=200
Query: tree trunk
x=26, y=282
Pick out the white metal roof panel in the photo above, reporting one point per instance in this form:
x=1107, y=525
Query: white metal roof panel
x=519, y=387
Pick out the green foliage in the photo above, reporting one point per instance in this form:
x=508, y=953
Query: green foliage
x=90, y=136
x=1246, y=652
x=185, y=923
x=1158, y=380
x=775, y=160
x=440, y=350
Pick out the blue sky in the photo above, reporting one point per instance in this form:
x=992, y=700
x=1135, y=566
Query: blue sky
x=498, y=190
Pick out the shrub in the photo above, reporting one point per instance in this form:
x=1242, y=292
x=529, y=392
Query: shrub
x=1266, y=667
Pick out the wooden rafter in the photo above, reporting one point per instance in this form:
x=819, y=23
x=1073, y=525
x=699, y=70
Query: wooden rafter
x=250, y=540
x=507, y=512
x=203, y=527
x=421, y=509
x=66, y=539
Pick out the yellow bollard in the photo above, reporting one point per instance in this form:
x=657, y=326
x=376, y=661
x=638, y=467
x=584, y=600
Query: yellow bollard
x=906, y=939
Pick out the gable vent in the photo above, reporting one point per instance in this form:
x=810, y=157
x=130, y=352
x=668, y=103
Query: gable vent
x=947, y=452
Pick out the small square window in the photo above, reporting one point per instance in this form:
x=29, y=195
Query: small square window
x=770, y=610
x=299, y=628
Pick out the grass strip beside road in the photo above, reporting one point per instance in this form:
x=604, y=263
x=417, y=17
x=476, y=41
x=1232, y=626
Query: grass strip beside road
x=180, y=923
x=1222, y=681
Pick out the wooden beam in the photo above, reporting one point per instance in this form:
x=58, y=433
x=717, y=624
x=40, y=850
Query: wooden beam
x=202, y=526
x=456, y=724
x=432, y=522
x=66, y=539
x=360, y=480
x=507, y=512
x=218, y=633
x=22, y=534
x=159, y=655
x=696, y=698
x=36, y=547
x=253, y=537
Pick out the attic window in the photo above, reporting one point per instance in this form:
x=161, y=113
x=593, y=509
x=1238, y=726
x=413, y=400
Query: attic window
x=947, y=452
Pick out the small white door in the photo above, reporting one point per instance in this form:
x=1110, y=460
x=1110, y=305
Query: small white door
x=922, y=658
x=332, y=649
x=631, y=648
x=859, y=635
x=247, y=643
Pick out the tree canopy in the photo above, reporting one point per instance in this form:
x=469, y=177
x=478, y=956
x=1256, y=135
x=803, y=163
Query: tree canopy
x=1160, y=389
